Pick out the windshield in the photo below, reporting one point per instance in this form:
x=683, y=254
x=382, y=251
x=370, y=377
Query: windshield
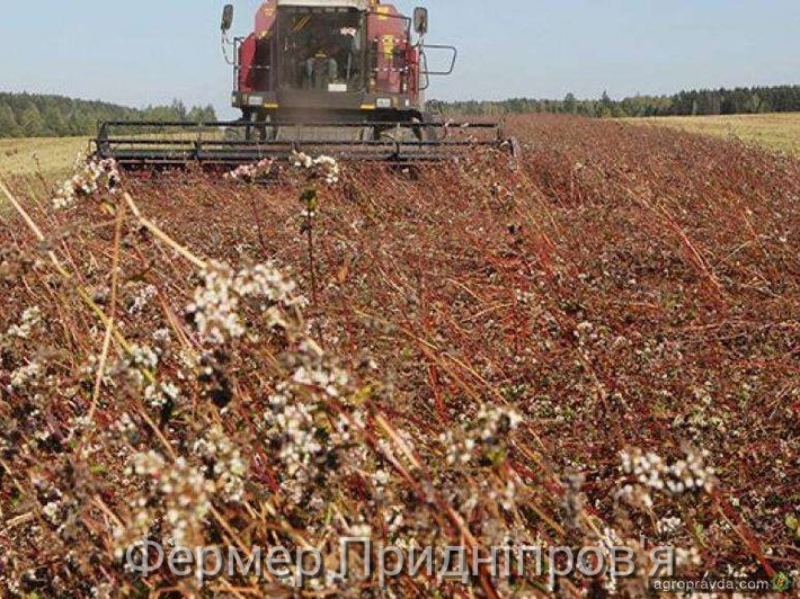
x=321, y=49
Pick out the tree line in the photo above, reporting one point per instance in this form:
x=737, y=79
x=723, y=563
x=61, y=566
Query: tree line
x=35, y=115
x=741, y=100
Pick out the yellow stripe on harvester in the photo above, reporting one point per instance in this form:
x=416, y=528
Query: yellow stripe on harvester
x=388, y=45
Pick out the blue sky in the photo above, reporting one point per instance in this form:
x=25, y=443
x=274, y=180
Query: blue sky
x=150, y=51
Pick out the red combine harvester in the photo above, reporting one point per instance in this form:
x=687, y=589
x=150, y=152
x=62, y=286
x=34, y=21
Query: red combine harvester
x=339, y=77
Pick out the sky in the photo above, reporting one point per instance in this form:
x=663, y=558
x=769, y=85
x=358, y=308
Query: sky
x=151, y=51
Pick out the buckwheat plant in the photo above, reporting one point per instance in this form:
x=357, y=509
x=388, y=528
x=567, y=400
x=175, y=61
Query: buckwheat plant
x=647, y=472
x=177, y=494
x=30, y=319
x=215, y=311
x=323, y=167
x=310, y=439
x=223, y=463
x=310, y=200
x=251, y=173
x=483, y=439
x=91, y=176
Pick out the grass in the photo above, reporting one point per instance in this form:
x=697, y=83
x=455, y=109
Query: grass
x=52, y=157
x=779, y=132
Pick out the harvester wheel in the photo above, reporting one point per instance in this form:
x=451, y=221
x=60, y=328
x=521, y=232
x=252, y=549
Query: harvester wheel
x=247, y=117
x=260, y=132
x=266, y=133
x=431, y=133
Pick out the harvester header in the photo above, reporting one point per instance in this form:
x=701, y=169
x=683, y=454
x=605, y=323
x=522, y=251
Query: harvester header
x=342, y=77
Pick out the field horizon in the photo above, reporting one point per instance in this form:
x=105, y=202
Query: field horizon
x=780, y=132
x=773, y=131
x=51, y=157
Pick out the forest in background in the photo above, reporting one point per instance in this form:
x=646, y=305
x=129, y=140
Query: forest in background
x=35, y=115
x=741, y=100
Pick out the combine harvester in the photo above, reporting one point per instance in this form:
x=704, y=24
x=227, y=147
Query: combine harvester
x=336, y=77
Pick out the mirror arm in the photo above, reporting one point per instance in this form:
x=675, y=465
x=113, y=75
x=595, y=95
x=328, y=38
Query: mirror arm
x=226, y=41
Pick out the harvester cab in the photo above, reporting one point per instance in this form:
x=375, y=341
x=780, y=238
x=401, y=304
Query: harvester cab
x=340, y=77
x=343, y=61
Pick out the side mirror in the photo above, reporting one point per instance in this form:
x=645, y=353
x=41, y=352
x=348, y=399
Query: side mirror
x=227, y=17
x=421, y=20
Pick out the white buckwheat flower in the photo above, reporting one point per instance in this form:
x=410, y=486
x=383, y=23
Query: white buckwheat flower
x=30, y=318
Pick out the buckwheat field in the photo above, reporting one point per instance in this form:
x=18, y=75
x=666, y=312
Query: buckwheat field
x=596, y=345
